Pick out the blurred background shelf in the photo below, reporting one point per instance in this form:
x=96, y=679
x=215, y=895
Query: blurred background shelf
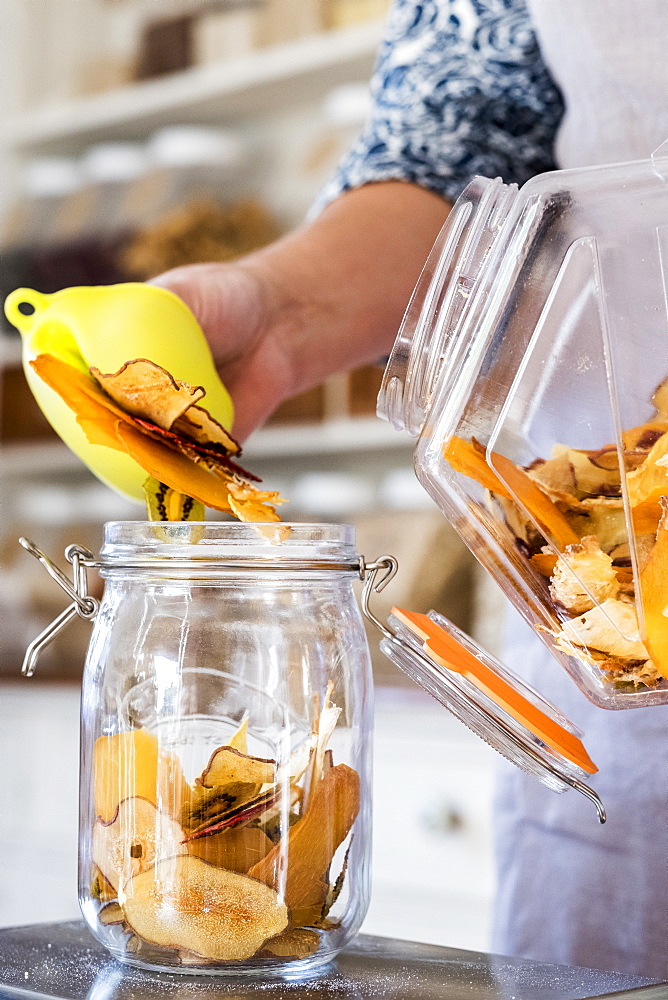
x=257, y=83
x=363, y=434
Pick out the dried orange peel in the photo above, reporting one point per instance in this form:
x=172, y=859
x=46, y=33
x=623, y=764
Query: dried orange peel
x=502, y=476
x=445, y=650
x=150, y=416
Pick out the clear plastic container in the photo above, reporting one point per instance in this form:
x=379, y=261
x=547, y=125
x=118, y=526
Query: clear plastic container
x=226, y=722
x=528, y=364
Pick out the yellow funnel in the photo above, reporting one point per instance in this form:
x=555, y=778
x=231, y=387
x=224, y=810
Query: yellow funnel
x=103, y=327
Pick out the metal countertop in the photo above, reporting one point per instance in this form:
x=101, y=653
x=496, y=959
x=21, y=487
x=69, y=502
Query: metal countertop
x=63, y=962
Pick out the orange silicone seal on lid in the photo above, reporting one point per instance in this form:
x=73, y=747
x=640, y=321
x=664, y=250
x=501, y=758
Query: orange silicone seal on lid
x=445, y=650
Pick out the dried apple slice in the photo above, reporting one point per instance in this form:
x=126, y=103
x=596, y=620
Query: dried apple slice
x=133, y=764
x=654, y=590
x=228, y=765
x=311, y=843
x=183, y=902
x=130, y=843
x=237, y=849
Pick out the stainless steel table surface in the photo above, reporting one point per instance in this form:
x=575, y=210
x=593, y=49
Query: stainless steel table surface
x=63, y=962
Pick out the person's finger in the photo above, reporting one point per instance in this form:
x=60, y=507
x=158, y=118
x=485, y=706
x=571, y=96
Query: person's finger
x=226, y=300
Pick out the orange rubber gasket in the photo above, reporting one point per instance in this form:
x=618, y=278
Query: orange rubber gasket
x=448, y=652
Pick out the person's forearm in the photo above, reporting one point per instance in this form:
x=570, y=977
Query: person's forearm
x=327, y=298
x=336, y=288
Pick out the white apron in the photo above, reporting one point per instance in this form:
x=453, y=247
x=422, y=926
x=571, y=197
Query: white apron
x=584, y=894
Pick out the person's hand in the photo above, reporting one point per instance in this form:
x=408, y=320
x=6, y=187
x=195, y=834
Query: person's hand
x=235, y=307
x=324, y=299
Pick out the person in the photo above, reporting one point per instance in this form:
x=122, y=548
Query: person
x=462, y=87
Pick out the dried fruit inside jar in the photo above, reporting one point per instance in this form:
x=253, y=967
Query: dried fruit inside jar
x=563, y=518
x=244, y=864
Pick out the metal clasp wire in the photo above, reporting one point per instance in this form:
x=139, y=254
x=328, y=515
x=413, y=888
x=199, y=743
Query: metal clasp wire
x=82, y=604
x=369, y=572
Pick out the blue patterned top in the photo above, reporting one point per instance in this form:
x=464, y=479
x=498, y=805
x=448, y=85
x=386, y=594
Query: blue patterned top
x=459, y=89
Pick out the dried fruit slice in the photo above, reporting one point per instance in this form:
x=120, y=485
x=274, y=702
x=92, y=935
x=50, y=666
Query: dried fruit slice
x=100, y=888
x=544, y=562
x=208, y=805
x=239, y=741
x=646, y=485
x=132, y=764
x=311, y=843
x=654, y=590
x=583, y=576
x=184, y=902
x=297, y=942
x=611, y=627
x=110, y=914
x=237, y=849
x=146, y=390
x=131, y=842
x=239, y=816
x=228, y=765
x=469, y=458
x=198, y=425
x=164, y=504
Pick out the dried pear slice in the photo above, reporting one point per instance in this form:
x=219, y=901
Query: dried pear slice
x=611, y=627
x=100, y=888
x=654, y=590
x=228, y=765
x=237, y=849
x=144, y=389
x=296, y=942
x=110, y=914
x=131, y=842
x=133, y=764
x=583, y=577
x=311, y=843
x=239, y=740
x=185, y=903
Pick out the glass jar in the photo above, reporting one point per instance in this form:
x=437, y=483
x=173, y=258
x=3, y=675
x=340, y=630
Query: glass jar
x=226, y=720
x=528, y=364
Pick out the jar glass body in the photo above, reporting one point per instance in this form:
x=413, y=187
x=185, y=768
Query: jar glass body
x=537, y=335
x=225, y=781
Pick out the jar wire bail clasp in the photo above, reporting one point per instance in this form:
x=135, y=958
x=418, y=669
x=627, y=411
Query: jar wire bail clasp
x=369, y=572
x=82, y=604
